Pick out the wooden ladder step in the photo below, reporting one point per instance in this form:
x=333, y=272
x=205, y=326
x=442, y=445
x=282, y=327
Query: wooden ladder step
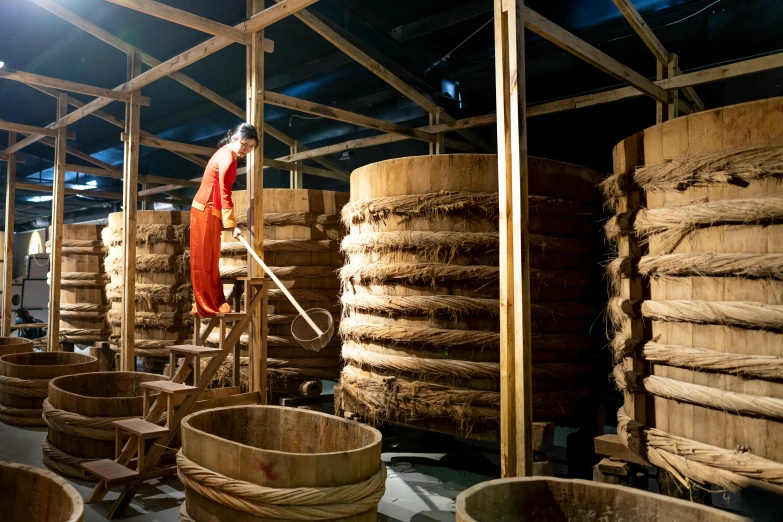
x=168, y=387
x=109, y=471
x=141, y=428
x=192, y=349
x=257, y=281
x=232, y=316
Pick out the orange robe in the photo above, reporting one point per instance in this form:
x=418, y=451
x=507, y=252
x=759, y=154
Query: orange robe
x=211, y=211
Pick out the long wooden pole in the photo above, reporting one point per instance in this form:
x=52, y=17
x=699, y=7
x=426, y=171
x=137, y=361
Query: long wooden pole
x=255, y=188
x=516, y=411
x=8, y=249
x=55, y=257
x=129, y=202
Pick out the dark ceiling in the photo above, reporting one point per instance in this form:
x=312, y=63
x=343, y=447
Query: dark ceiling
x=410, y=37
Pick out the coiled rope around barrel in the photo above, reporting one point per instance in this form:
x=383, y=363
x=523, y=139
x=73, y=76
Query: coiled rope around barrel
x=61, y=462
x=24, y=387
x=99, y=428
x=21, y=416
x=325, y=503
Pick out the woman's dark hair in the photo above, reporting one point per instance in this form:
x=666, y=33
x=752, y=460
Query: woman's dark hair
x=24, y=315
x=243, y=131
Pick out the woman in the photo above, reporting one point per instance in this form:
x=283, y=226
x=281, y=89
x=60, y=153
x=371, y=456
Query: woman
x=212, y=210
x=23, y=317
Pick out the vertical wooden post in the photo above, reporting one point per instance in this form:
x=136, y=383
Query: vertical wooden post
x=439, y=147
x=130, y=191
x=296, y=174
x=661, y=109
x=674, y=105
x=255, y=188
x=516, y=409
x=8, y=249
x=55, y=257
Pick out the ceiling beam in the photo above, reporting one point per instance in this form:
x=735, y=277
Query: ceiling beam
x=29, y=129
x=581, y=49
x=439, y=21
x=48, y=188
x=4, y=157
x=654, y=44
x=333, y=113
x=158, y=143
x=65, y=85
x=266, y=17
x=178, y=16
x=117, y=174
x=361, y=57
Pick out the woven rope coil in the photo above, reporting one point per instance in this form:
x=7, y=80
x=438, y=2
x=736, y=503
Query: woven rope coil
x=282, y=245
x=151, y=233
x=83, y=335
x=735, y=167
x=82, y=279
x=282, y=219
x=21, y=416
x=99, y=428
x=420, y=304
x=59, y=461
x=79, y=247
x=359, y=331
x=702, y=463
x=83, y=311
x=313, y=503
x=730, y=402
x=24, y=387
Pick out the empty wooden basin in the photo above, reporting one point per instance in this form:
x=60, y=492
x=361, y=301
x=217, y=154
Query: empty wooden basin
x=15, y=345
x=24, y=382
x=35, y=495
x=284, y=463
x=540, y=499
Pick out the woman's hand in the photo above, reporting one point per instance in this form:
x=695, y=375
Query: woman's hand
x=236, y=233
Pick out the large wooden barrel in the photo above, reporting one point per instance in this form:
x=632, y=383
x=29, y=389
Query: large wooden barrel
x=15, y=345
x=286, y=464
x=79, y=412
x=302, y=231
x=164, y=295
x=420, y=293
x=539, y=499
x=36, y=495
x=698, y=282
x=24, y=382
x=83, y=304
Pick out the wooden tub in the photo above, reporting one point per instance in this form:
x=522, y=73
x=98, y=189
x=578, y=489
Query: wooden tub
x=539, y=499
x=24, y=382
x=283, y=451
x=15, y=345
x=79, y=412
x=35, y=495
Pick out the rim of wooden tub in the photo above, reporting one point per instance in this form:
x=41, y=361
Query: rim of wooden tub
x=464, y=515
x=12, y=367
x=102, y=402
x=77, y=504
x=376, y=435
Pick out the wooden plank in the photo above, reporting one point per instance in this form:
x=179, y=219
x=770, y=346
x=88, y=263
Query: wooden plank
x=661, y=109
x=6, y=157
x=714, y=74
x=360, y=143
x=643, y=30
x=334, y=113
x=581, y=49
x=182, y=60
x=295, y=175
x=117, y=174
x=65, y=85
x=8, y=246
x=256, y=98
x=147, y=141
x=185, y=18
x=28, y=129
x=129, y=203
x=671, y=70
x=611, y=446
x=78, y=192
x=286, y=165
x=55, y=264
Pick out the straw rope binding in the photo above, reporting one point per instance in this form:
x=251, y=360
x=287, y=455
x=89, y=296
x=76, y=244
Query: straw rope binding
x=21, y=416
x=313, y=503
x=83, y=311
x=149, y=234
x=24, y=387
x=79, y=247
x=99, y=428
x=282, y=219
x=59, y=461
x=736, y=167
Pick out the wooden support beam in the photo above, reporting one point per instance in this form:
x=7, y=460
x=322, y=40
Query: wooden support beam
x=674, y=104
x=36, y=187
x=152, y=141
x=439, y=146
x=455, y=125
x=295, y=175
x=129, y=204
x=7, y=157
x=305, y=169
x=65, y=85
x=8, y=246
x=56, y=239
x=257, y=339
x=118, y=174
x=28, y=129
x=182, y=60
x=714, y=74
x=581, y=49
x=281, y=100
x=654, y=44
x=516, y=393
x=187, y=19
x=333, y=37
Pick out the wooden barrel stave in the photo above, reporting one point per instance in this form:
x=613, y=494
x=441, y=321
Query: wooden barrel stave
x=35, y=495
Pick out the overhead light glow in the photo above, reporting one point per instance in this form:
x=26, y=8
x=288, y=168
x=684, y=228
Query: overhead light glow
x=39, y=199
x=89, y=185
x=1, y=64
